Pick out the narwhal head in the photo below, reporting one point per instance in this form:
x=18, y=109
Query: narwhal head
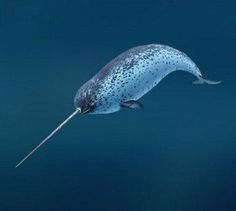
x=85, y=98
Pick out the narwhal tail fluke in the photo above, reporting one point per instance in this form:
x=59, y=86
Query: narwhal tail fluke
x=78, y=110
x=205, y=81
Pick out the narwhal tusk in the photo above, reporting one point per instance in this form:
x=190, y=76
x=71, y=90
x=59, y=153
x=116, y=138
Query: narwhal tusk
x=78, y=110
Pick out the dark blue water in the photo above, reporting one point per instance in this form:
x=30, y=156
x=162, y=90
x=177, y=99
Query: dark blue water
x=177, y=154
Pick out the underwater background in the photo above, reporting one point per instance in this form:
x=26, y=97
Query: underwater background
x=176, y=154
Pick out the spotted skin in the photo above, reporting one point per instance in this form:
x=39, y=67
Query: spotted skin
x=130, y=76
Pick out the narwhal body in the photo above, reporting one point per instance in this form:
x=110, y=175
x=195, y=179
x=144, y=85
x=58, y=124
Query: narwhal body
x=126, y=79
x=131, y=75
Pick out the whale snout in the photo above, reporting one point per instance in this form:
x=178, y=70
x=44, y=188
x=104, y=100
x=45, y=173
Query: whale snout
x=84, y=102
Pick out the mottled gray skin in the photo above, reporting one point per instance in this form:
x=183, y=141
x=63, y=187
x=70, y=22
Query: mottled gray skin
x=130, y=76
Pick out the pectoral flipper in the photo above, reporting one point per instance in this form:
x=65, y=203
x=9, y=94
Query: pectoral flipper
x=132, y=104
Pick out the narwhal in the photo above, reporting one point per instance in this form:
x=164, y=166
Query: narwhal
x=125, y=79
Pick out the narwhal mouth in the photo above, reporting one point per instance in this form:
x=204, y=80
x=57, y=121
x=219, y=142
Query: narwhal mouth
x=86, y=111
